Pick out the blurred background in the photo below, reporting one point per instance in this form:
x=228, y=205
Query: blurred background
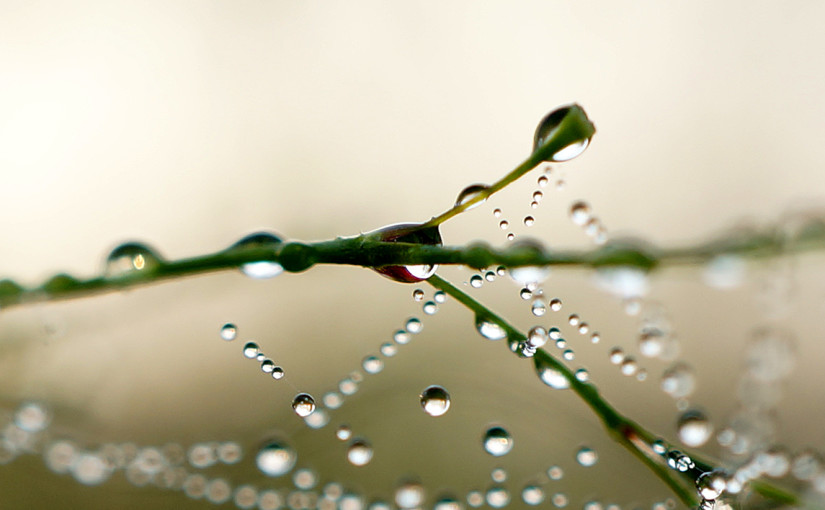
x=188, y=125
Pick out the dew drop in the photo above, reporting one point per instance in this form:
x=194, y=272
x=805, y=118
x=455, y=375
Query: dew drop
x=568, y=355
x=32, y=417
x=511, y=236
x=303, y=404
x=359, y=452
x=555, y=473
x=498, y=497
x=587, y=457
x=251, y=350
x=401, y=337
x=712, y=484
x=504, y=224
x=131, y=259
x=497, y=441
x=529, y=221
x=489, y=329
x=679, y=461
x=343, y=432
x=559, y=500
x=580, y=213
x=549, y=126
x=582, y=375
x=278, y=373
x=616, y=356
x=537, y=337
x=475, y=499
x=694, y=428
x=525, y=293
x=440, y=297
x=418, y=295
x=409, y=495
x=275, y=459
x=267, y=366
x=678, y=381
x=430, y=308
x=333, y=400
x=469, y=193
x=542, y=181
x=553, y=378
x=537, y=196
x=229, y=332
x=554, y=333
x=534, y=205
x=629, y=366
x=264, y=268
x=595, y=338
x=574, y=320
x=408, y=233
x=497, y=213
x=532, y=495
x=476, y=281
x=538, y=308
x=435, y=400
x=388, y=349
x=372, y=365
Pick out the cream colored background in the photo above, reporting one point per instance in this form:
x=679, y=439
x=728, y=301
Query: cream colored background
x=190, y=124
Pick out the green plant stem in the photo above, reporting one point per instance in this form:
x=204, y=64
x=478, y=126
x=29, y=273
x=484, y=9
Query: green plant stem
x=626, y=432
x=367, y=250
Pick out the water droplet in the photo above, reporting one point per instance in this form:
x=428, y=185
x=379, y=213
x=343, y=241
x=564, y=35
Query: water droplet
x=359, y=452
x=694, y=428
x=498, y=497
x=304, y=479
x=228, y=452
x=278, y=373
x=246, y=497
x=629, y=366
x=549, y=127
x=679, y=461
x=725, y=272
x=580, y=213
x=555, y=473
x=595, y=338
x=584, y=328
x=497, y=441
x=554, y=333
x=418, y=295
x=497, y=213
x=264, y=268
x=537, y=196
x=470, y=193
x=489, y=329
x=582, y=375
x=90, y=469
x=476, y=281
x=532, y=495
x=574, y=320
x=504, y=224
x=131, y=259
x=435, y=400
x=712, y=484
x=561, y=343
x=447, y=503
x=430, y=308
x=409, y=495
x=499, y=475
x=401, y=337
x=559, y=500
x=537, y=337
x=408, y=233
x=625, y=282
x=267, y=366
x=587, y=457
x=347, y=386
x=414, y=326
x=333, y=400
x=303, y=404
x=511, y=236
x=260, y=357
x=770, y=354
x=251, y=350
x=475, y=499
x=529, y=221
x=616, y=356
x=568, y=355
x=343, y=432
x=555, y=304
x=542, y=181
x=538, y=308
x=440, y=297
x=529, y=275
x=275, y=458
x=678, y=381
x=372, y=365
x=525, y=293
x=32, y=417
x=229, y=332
x=389, y=350
x=534, y=205
x=553, y=378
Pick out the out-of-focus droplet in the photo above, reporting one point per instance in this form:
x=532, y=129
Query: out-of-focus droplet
x=497, y=441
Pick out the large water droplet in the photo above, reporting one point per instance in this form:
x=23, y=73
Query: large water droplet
x=408, y=233
x=303, y=404
x=469, y=193
x=497, y=441
x=264, y=268
x=694, y=428
x=275, y=458
x=435, y=400
x=587, y=457
x=409, y=494
x=130, y=259
x=549, y=127
x=489, y=329
x=359, y=452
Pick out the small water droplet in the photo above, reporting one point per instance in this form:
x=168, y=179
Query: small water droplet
x=497, y=213
x=401, y=337
x=430, y=308
x=440, y=297
x=542, y=181
x=343, y=432
x=529, y=221
x=498, y=475
x=694, y=428
x=267, y=366
x=537, y=196
x=711, y=485
x=616, y=355
x=504, y=224
x=303, y=404
x=554, y=333
x=278, y=373
x=498, y=497
x=587, y=457
x=414, y=326
x=553, y=378
x=347, y=386
x=568, y=355
x=534, y=205
x=409, y=494
x=475, y=499
x=489, y=329
x=251, y=350
x=595, y=338
x=559, y=500
x=678, y=381
x=131, y=259
x=555, y=473
x=418, y=295
x=584, y=328
x=359, y=452
x=435, y=400
x=538, y=308
x=555, y=304
x=574, y=320
x=629, y=366
x=476, y=281
x=388, y=349
x=580, y=213
x=537, y=337
x=469, y=193
x=497, y=441
x=525, y=293
x=333, y=400
x=582, y=375
x=229, y=331
x=447, y=503
x=511, y=236
x=275, y=458
x=304, y=479
x=372, y=365
x=532, y=495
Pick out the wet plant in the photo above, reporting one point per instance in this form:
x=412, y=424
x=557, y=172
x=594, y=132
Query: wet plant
x=763, y=476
